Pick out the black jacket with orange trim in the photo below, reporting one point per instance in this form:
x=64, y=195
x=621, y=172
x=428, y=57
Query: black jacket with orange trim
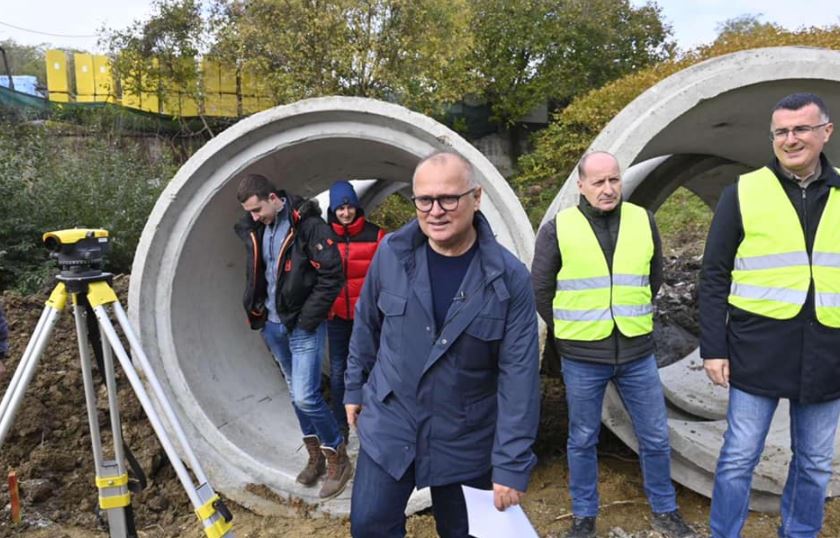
x=310, y=275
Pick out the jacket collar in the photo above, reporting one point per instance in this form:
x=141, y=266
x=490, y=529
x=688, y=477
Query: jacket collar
x=828, y=173
x=592, y=212
x=410, y=237
x=352, y=229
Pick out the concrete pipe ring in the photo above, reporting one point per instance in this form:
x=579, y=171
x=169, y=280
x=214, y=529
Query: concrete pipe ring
x=700, y=128
x=188, y=276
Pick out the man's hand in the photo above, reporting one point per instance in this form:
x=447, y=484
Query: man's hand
x=505, y=497
x=353, y=411
x=718, y=371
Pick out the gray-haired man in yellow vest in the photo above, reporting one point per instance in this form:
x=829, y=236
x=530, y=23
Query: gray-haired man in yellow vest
x=770, y=317
x=596, y=269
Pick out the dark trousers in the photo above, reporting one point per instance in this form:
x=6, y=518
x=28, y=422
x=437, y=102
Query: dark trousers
x=338, y=334
x=377, y=508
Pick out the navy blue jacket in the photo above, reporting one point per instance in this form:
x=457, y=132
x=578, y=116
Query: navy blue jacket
x=456, y=401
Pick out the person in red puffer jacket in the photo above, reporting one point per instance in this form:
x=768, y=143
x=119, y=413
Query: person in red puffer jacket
x=357, y=241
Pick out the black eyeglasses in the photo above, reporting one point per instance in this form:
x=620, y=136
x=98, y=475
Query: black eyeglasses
x=447, y=202
x=798, y=131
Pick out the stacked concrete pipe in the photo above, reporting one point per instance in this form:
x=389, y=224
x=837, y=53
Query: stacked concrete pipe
x=701, y=128
x=188, y=276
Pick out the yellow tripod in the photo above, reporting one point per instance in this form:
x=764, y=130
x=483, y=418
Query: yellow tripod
x=80, y=254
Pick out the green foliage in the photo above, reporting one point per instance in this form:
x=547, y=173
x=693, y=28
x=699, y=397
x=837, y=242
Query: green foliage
x=395, y=211
x=411, y=51
x=24, y=59
x=742, y=25
x=54, y=179
x=531, y=51
x=424, y=54
x=683, y=219
x=157, y=55
x=558, y=147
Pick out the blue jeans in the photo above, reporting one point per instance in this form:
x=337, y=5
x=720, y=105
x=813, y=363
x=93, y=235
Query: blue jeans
x=377, y=506
x=812, y=429
x=298, y=353
x=641, y=391
x=338, y=333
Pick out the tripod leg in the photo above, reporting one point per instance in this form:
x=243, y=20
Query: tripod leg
x=117, y=482
x=210, y=509
x=113, y=404
x=146, y=369
x=29, y=361
x=111, y=480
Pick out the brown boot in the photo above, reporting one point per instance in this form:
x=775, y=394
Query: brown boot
x=339, y=471
x=316, y=465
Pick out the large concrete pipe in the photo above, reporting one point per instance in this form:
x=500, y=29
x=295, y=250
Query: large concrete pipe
x=188, y=275
x=700, y=128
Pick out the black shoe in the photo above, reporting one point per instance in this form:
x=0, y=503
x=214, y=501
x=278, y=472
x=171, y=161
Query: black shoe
x=672, y=525
x=582, y=527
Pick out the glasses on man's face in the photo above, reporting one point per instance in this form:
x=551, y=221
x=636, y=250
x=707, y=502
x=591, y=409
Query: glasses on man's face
x=447, y=202
x=798, y=132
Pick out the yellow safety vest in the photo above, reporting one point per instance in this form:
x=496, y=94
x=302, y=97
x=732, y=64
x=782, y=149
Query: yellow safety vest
x=589, y=301
x=772, y=271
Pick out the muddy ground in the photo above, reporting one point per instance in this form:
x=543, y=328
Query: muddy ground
x=49, y=448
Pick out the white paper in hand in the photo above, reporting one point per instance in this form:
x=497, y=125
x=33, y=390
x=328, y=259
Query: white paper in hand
x=487, y=522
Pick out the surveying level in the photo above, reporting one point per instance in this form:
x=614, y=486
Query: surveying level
x=80, y=254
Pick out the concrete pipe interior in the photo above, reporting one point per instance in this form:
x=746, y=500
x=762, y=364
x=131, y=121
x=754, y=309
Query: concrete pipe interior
x=701, y=128
x=188, y=275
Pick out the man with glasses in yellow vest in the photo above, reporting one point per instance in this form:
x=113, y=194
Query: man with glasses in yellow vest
x=596, y=269
x=770, y=317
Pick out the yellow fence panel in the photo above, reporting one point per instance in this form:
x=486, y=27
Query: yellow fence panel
x=226, y=92
x=149, y=97
x=179, y=101
x=130, y=93
x=254, y=95
x=218, y=100
x=85, y=84
x=104, y=90
x=57, y=85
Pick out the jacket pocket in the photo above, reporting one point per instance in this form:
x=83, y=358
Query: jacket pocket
x=391, y=304
x=393, y=308
x=478, y=349
x=486, y=329
x=376, y=388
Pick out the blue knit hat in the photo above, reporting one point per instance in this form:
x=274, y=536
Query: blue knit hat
x=341, y=192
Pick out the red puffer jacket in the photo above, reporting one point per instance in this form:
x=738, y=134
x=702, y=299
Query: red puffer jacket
x=357, y=243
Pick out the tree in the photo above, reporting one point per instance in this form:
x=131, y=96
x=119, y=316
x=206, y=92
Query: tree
x=531, y=51
x=558, y=147
x=158, y=55
x=744, y=25
x=411, y=51
x=24, y=59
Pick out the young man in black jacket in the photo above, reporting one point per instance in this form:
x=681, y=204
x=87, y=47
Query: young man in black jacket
x=293, y=276
x=770, y=317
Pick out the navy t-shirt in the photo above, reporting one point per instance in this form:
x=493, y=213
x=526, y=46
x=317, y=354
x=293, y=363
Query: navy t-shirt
x=446, y=274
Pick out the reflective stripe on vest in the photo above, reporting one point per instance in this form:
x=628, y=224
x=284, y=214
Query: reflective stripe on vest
x=772, y=271
x=589, y=302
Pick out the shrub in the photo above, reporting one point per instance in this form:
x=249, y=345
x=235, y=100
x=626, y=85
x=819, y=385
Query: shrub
x=52, y=177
